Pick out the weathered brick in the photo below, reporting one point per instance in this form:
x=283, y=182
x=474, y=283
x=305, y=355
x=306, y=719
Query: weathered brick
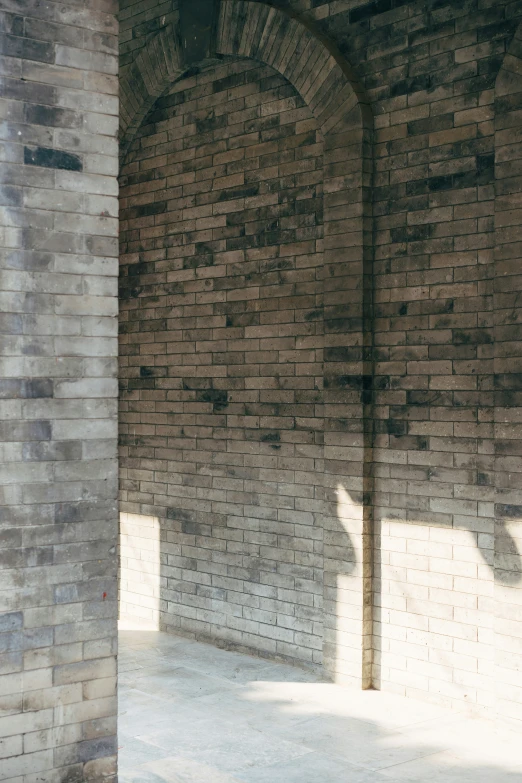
x=238, y=432
x=49, y=92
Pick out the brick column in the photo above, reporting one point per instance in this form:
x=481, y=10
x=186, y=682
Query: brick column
x=58, y=387
x=348, y=534
x=508, y=387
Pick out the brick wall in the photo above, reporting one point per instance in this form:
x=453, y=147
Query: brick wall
x=221, y=362
x=429, y=70
x=58, y=388
x=442, y=418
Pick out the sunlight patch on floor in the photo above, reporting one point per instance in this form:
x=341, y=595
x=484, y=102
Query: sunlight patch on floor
x=192, y=713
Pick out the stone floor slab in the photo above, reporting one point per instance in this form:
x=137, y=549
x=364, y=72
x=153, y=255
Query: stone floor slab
x=191, y=713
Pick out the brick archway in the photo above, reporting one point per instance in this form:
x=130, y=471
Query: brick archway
x=254, y=30
x=155, y=68
x=326, y=84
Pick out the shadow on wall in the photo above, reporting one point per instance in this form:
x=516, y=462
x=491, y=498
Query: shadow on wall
x=399, y=583
x=152, y=579
x=508, y=569
x=348, y=511
x=191, y=712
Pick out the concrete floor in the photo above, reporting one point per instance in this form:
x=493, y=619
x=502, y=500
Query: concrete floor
x=190, y=713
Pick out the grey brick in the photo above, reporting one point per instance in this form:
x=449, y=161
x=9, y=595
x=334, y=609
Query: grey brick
x=50, y=268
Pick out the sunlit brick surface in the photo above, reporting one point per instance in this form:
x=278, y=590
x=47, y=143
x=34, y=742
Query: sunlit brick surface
x=58, y=390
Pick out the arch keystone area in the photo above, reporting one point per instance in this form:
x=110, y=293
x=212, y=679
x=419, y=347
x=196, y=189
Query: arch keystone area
x=157, y=66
